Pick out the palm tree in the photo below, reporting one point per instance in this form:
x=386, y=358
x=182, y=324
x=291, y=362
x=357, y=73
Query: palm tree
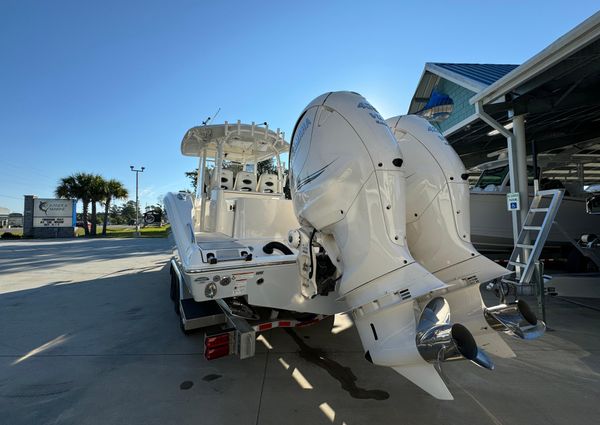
x=76, y=186
x=96, y=191
x=113, y=189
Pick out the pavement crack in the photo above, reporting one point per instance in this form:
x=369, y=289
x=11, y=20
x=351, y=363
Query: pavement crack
x=262, y=387
x=485, y=410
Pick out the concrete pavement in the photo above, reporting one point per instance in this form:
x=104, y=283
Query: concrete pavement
x=88, y=336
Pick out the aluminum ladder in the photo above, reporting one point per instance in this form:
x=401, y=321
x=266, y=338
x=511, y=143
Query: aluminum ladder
x=532, y=237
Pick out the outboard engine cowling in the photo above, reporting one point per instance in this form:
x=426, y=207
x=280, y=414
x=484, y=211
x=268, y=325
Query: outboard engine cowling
x=348, y=189
x=438, y=213
x=439, y=237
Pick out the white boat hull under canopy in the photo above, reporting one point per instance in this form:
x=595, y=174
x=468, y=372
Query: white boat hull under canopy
x=571, y=168
x=491, y=223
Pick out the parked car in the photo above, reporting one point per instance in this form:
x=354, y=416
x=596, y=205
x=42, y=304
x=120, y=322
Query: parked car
x=80, y=224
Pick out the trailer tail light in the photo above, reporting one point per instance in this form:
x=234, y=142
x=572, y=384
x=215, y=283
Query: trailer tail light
x=217, y=352
x=217, y=340
x=219, y=345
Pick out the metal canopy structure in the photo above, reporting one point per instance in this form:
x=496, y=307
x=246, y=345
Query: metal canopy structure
x=239, y=142
x=549, y=102
x=242, y=143
x=558, y=90
x=549, y=105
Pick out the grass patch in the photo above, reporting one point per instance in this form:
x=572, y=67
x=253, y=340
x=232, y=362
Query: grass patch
x=11, y=234
x=146, y=232
x=119, y=232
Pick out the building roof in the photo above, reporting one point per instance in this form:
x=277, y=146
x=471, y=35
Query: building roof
x=484, y=73
x=473, y=76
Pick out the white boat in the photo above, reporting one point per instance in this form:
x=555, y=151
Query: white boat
x=491, y=222
x=231, y=236
x=377, y=227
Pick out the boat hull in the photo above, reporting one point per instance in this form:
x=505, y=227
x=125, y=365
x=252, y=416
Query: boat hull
x=491, y=222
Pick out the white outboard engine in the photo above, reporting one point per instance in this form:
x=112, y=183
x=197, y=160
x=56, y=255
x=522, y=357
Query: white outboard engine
x=348, y=187
x=438, y=234
x=437, y=199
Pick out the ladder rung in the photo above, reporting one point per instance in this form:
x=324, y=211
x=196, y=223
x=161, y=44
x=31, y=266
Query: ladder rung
x=539, y=209
x=516, y=263
x=511, y=281
x=532, y=227
x=525, y=246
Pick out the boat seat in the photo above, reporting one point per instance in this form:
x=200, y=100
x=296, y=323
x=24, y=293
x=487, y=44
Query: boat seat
x=245, y=182
x=258, y=218
x=226, y=179
x=267, y=183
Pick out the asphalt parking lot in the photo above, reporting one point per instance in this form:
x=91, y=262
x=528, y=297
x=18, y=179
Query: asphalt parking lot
x=88, y=336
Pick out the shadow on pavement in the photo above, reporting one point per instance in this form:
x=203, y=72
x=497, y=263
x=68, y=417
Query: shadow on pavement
x=16, y=256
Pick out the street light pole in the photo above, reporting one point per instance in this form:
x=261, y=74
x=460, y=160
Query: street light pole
x=137, y=198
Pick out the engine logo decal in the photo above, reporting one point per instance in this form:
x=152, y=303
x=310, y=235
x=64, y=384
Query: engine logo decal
x=374, y=114
x=311, y=177
x=432, y=129
x=378, y=118
x=299, y=134
x=366, y=105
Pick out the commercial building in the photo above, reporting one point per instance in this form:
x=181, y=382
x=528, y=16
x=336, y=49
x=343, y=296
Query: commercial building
x=4, y=212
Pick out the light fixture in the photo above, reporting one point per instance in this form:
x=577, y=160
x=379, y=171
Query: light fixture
x=506, y=126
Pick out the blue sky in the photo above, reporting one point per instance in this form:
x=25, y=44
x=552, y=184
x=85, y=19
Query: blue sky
x=99, y=86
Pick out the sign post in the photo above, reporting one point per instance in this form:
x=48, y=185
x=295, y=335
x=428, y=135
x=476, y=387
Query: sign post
x=513, y=202
x=49, y=218
x=53, y=213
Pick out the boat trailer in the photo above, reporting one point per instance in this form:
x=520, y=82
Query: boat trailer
x=235, y=334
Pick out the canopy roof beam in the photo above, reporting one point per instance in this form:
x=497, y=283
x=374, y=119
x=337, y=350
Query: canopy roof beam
x=517, y=162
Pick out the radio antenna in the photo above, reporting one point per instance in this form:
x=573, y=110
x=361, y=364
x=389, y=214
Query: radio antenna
x=209, y=119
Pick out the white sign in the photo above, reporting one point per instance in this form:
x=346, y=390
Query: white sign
x=53, y=212
x=512, y=201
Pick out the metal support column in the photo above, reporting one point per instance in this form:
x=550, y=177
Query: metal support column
x=512, y=154
x=521, y=165
x=201, y=177
x=540, y=290
x=512, y=173
x=580, y=175
x=137, y=199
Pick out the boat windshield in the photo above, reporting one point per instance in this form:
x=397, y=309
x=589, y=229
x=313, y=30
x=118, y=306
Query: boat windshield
x=493, y=176
x=496, y=176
